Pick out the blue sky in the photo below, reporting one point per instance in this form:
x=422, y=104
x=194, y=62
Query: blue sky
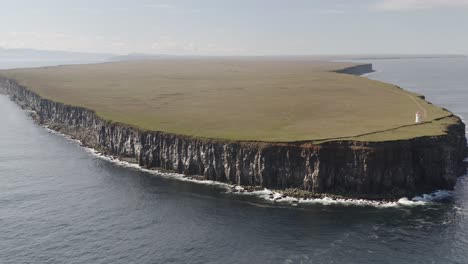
x=237, y=27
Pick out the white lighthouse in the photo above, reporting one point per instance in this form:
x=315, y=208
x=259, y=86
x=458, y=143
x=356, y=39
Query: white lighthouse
x=418, y=117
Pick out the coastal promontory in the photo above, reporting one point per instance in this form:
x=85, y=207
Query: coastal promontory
x=287, y=124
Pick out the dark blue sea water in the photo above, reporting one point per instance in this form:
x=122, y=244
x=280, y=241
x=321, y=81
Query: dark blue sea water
x=59, y=203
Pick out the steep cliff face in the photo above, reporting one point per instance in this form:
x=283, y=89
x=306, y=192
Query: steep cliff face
x=358, y=69
x=389, y=169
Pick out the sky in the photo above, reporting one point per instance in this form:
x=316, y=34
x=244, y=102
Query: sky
x=237, y=27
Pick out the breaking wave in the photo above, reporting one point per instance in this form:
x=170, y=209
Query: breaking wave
x=425, y=199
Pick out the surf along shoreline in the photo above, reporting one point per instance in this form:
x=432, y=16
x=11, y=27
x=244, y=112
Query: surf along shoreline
x=339, y=168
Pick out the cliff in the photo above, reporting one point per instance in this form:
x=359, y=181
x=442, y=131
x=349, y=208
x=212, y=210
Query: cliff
x=375, y=170
x=357, y=70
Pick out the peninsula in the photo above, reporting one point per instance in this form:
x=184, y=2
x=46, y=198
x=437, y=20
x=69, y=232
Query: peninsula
x=306, y=125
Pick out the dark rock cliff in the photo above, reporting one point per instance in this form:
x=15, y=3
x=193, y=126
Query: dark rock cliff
x=374, y=170
x=357, y=70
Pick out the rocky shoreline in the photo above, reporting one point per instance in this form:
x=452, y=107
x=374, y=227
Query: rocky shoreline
x=369, y=170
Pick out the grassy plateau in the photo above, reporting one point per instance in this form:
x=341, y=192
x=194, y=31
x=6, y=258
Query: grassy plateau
x=272, y=100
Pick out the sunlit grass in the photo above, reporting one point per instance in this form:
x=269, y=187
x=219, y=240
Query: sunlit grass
x=261, y=100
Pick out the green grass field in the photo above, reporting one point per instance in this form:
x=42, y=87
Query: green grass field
x=238, y=99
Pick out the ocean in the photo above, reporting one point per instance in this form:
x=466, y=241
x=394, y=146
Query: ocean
x=63, y=203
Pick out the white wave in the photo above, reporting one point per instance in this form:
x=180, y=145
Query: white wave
x=268, y=195
x=369, y=74
x=437, y=196
x=278, y=197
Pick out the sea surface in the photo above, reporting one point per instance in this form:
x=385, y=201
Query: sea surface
x=62, y=203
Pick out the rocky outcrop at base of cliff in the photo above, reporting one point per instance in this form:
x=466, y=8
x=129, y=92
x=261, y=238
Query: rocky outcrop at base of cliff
x=375, y=170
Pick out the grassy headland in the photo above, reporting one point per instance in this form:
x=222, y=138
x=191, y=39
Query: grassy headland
x=239, y=99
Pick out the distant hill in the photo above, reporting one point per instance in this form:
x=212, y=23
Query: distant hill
x=66, y=56
x=51, y=55
x=143, y=56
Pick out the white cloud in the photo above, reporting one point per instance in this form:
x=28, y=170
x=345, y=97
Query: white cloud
x=87, y=10
x=336, y=9
x=161, y=6
x=395, y=5
x=331, y=11
x=173, y=9
x=123, y=9
x=98, y=43
x=61, y=41
x=169, y=45
x=118, y=44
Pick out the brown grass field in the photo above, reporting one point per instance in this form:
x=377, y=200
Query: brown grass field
x=239, y=99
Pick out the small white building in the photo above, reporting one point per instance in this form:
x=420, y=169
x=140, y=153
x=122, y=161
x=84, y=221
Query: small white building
x=419, y=117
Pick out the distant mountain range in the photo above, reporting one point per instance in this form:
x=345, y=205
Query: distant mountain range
x=142, y=56
x=51, y=55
